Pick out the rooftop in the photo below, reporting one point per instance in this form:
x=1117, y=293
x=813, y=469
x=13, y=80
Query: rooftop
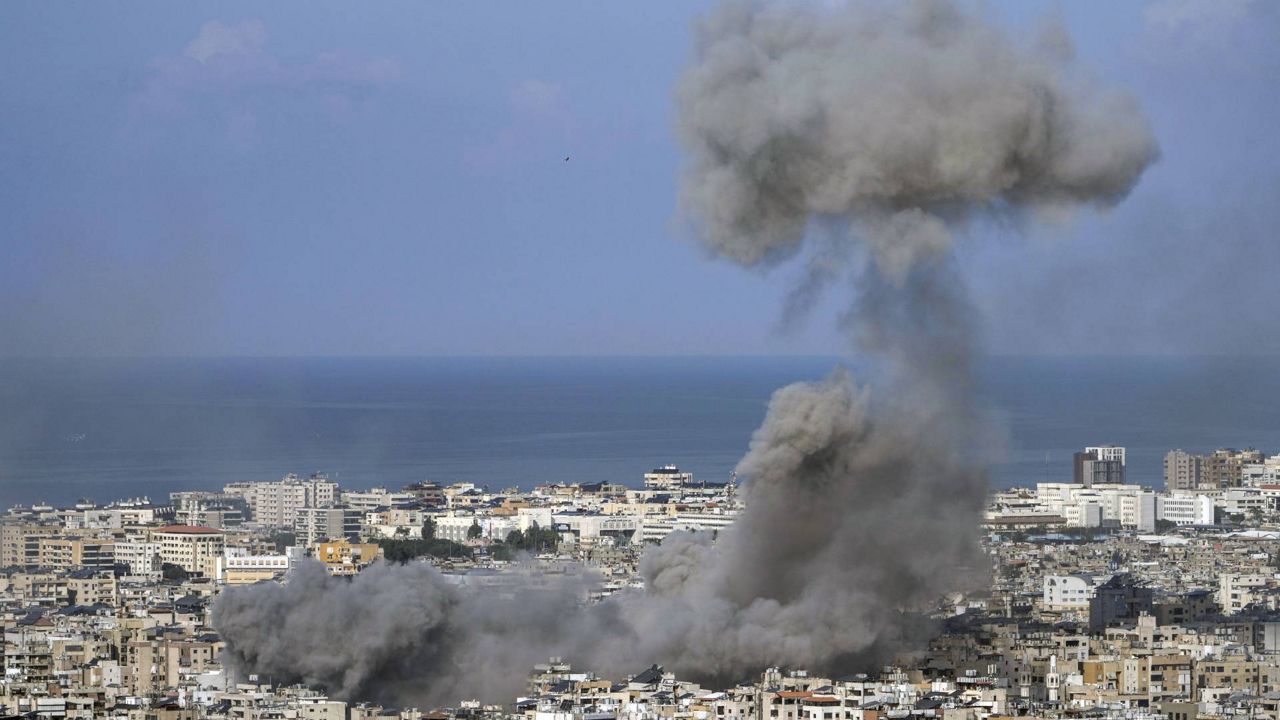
x=188, y=530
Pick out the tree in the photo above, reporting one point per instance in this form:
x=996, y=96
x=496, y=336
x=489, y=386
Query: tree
x=544, y=539
x=283, y=539
x=169, y=571
x=534, y=540
x=405, y=549
x=428, y=528
x=1255, y=516
x=474, y=531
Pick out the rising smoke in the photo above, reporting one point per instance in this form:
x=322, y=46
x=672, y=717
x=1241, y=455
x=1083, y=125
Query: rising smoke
x=897, y=124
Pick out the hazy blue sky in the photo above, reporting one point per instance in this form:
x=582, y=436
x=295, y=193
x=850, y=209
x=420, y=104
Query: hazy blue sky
x=341, y=178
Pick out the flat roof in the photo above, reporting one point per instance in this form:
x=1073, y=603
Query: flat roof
x=188, y=530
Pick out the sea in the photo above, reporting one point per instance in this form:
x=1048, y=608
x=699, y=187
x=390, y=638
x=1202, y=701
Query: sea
x=108, y=429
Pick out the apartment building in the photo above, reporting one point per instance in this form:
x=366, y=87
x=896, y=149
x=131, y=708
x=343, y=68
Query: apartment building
x=193, y=548
x=368, y=500
x=20, y=542
x=1223, y=468
x=276, y=504
x=76, y=552
x=347, y=558
x=1067, y=592
x=1182, y=470
x=139, y=554
x=667, y=477
x=311, y=525
x=1236, y=591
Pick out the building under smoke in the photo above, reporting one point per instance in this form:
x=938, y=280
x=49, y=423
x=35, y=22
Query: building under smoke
x=867, y=137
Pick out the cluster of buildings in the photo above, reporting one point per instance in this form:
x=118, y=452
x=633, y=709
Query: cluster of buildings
x=1221, y=469
x=104, y=608
x=1225, y=486
x=1106, y=599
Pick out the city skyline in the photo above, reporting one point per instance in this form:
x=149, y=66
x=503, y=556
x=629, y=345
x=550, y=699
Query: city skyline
x=747, y=360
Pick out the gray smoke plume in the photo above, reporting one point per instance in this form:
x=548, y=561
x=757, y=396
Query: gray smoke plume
x=400, y=633
x=899, y=118
x=897, y=124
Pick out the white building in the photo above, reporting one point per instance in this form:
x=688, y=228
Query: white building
x=667, y=477
x=247, y=569
x=1185, y=508
x=1129, y=506
x=1090, y=515
x=1068, y=592
x=140, y=554
x=1137, y=510
x=456, y=527
x=1244, y=501
x=498, y=527
x=194, y=549
x=1266, y=472
x=658, y=527
x=276, y=504
x=527, y=517
x=1107, y=452
x=379, y=497
x=589, y=527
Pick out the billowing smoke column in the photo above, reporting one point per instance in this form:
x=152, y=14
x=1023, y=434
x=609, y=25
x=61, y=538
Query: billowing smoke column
x=895, y=125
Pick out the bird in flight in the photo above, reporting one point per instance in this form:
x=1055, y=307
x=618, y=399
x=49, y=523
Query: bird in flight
x=566, y=158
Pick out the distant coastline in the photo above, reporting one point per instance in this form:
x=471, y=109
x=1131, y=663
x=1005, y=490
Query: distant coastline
x=119, y=427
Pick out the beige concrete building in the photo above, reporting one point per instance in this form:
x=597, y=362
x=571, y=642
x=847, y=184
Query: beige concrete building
x=1236, y=591
x=88, y=588
x=76, y=552
x=276, y=504
x=1182, y=470
x=1224, y=467
x=20, y=542
x=193, y=548
x=347, y=558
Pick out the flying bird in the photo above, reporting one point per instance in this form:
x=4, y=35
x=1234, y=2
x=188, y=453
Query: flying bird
x=566, y=158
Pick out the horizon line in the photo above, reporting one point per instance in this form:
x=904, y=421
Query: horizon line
x=626, y=356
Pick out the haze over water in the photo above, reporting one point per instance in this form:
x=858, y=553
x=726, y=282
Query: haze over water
x=108, y=429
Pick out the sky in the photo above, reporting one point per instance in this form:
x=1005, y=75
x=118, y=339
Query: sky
x=500, y=179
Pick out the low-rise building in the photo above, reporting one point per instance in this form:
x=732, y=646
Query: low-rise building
x=347, y=558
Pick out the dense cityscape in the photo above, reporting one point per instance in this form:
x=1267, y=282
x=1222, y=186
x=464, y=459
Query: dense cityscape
x=406, y=243
x=1105, y=599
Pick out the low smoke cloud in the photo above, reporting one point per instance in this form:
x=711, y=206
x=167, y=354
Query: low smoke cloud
x=399, y=633
x=896, y=124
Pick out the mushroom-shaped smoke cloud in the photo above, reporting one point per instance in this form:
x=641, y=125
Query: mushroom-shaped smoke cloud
x=897, y=122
